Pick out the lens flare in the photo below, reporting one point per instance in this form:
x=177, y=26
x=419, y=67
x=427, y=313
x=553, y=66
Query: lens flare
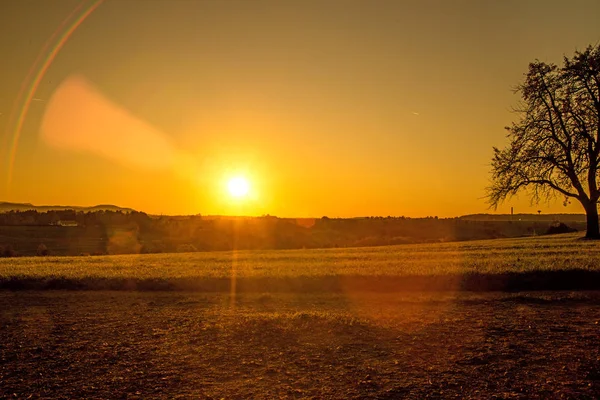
x=36, y=73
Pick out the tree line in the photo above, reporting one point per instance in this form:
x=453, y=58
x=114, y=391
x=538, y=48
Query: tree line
x=71, y=232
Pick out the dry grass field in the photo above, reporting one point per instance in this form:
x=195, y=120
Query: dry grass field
x=535, y=263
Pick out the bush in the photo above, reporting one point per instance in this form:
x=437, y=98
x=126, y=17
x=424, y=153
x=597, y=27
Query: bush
x=152, y=248
x=186, y=248
x=8, y=251
x=559, y=227
x=42, y=250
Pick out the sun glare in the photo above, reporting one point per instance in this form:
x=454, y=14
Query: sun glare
x=238, y=187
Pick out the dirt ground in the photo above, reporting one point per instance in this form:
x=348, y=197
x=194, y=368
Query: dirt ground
x=126, y=345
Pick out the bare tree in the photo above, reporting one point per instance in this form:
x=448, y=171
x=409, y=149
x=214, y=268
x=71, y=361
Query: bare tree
x=554, y=147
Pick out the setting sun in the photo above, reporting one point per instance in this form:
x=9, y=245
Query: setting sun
x=238, y=187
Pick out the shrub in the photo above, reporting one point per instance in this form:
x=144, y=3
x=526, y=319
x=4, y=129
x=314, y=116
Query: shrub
x=8, y=251
x=186, y=248
x=152, y=247
x=559, y=227
x=42, y=250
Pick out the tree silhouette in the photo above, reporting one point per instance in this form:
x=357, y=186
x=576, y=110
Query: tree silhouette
x=554, y=147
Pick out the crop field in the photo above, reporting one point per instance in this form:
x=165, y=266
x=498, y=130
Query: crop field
x=535, y=263
x=457, y=320
x=140, y=345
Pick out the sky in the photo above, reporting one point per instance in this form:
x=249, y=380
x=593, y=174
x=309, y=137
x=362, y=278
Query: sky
x=332, y=107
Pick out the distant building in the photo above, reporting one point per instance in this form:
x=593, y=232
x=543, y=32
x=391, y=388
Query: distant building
x=67, y=223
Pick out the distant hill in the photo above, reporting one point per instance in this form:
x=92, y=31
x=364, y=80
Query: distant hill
x=525, y=217
x=5, y=207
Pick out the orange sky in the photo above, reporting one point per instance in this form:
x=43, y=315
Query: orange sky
x=338, y=108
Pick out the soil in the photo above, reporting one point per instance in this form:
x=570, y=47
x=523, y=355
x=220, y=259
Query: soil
x=132, y=345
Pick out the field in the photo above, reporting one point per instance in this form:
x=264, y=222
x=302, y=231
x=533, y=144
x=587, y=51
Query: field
x=544, y=262
x=107, y=345
x=413, y=321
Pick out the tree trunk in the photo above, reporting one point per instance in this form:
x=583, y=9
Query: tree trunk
x=593, y=228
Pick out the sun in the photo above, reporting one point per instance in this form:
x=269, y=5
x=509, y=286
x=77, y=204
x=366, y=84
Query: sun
x=238, y=187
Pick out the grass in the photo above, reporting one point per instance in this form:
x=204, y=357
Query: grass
x=535, y=263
